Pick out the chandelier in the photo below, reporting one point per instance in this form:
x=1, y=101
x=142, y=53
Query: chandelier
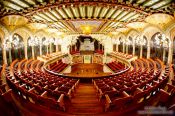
x=161, y=40
x=33, y=41
x=57, y=41
x=140, y=41
x=13, y=42
x=116, y=41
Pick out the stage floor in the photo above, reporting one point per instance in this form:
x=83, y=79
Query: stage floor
x=91, y=70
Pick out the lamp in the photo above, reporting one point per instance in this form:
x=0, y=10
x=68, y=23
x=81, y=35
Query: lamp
x=33, y=41
x=161, y=40
x=140, y=41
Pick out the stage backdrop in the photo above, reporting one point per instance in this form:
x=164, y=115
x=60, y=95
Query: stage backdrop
x=87, y=58
x=87, y=45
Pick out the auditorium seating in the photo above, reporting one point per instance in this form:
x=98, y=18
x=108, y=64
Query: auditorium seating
x=99, y=51
x=116, y=66
x=57, y=66
x=123, y=92
x=133, y=87
x=74, y=52
x=167, y=97
x=39, y=87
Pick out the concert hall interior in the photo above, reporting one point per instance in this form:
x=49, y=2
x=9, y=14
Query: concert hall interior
x=87, y=57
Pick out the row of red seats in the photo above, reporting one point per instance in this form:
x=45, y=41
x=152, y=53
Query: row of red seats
x=99, y=51
x=55, y=64
x=74, y=52
x=116, y=66
x=130, y=87
x=6, y=100
x=41, y=87
x=58, y=67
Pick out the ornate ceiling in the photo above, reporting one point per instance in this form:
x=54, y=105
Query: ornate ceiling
x=96, y=16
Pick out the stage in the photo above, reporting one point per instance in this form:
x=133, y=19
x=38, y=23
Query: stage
x=89, y=70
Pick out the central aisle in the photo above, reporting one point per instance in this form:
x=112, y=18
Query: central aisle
x=85, y=101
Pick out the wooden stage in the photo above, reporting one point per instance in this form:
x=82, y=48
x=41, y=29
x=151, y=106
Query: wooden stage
x=91, y=70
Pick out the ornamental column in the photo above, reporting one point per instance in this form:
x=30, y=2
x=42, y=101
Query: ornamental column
x=170, y=52
x=56, y=48
x=40, y=50
x=75, y=47
x=133, y=50
x=126, y=49
x=4, y=55
x=141, y=51
x=164, y=53
x=148, y=49
x=116, y=47
x=123, y=48
x=50, y=47
x=47, y=47
x=25, y=49
x=33, y=52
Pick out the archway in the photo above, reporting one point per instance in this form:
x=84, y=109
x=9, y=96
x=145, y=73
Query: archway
x=145, y=47
x=29, y=49
x=159, y=46
x=53, y=46
x=17, y=47
x=45, y=48
x=130, y=45
x=137, y=46
x=14, y=46
x=120, y=46
x=155, y=52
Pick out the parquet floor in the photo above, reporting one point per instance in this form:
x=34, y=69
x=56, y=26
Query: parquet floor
x=85, y=101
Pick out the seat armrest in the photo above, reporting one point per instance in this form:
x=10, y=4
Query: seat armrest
x=61, y=101
x=44, y=94
x=125, y=94
x=45, y=87
x=139, y=90
x=32, y=89
x=23, y=85
x=108, y=100
x=69, y=92
x=56, y=89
